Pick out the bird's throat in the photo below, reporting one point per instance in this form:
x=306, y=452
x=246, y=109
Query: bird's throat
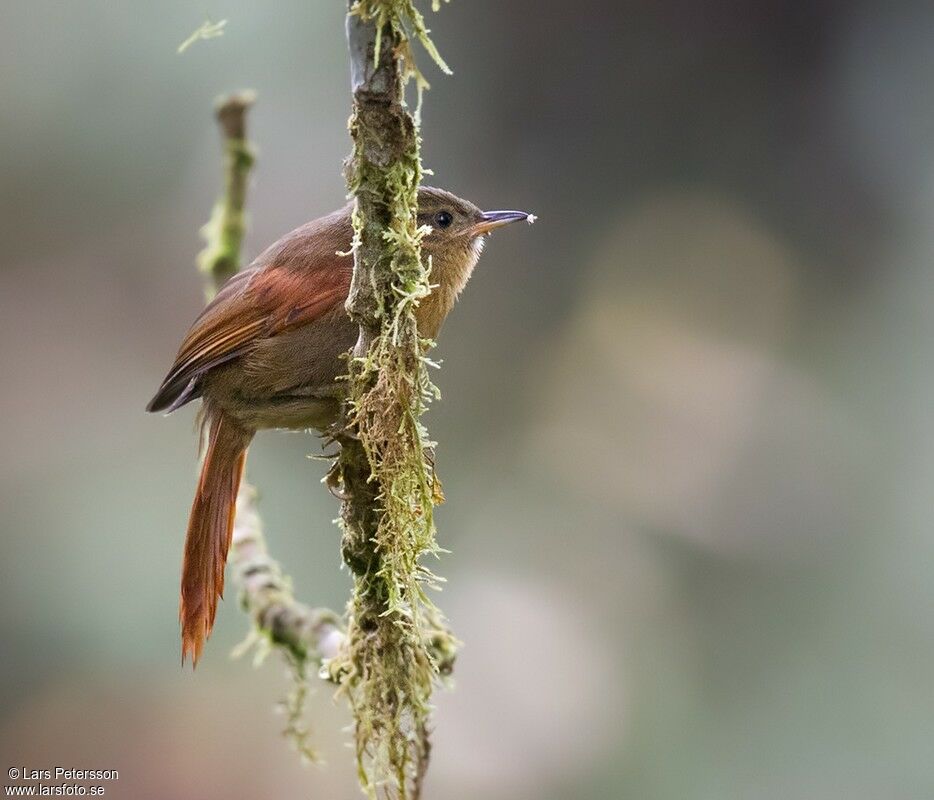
x=448, y=277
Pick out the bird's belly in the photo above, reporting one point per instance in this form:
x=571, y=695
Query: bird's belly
x=290, y=411
x=290, y=380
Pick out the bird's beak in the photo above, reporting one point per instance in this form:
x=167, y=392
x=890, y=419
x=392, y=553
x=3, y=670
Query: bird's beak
x=490, y=220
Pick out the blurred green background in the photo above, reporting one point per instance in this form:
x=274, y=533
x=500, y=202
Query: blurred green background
x=686, y=433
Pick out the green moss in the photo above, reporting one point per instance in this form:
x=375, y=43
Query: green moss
x=398, y=645
x=405, y=23
x=224, y=231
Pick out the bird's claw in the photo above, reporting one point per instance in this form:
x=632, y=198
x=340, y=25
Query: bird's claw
x=334, y=480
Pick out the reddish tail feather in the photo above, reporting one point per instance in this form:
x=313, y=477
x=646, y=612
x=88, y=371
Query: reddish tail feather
x=210, y=529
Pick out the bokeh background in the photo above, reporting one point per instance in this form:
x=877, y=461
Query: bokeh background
x=686, y=433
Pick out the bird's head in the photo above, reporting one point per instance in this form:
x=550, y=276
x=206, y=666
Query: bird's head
x=457, y=233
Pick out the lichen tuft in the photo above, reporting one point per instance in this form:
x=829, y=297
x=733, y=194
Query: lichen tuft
x=398, y=646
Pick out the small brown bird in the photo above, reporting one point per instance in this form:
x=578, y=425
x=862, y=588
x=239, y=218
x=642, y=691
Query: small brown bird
x=266, y=353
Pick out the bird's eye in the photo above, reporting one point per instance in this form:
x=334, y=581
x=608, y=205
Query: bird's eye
x=443, y=219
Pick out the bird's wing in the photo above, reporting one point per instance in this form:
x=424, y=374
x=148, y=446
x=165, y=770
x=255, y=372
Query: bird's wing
x=221, y=332
x=293, y=299
x=257, y=303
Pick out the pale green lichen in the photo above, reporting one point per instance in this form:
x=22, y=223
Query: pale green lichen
x=405, y=23
x=207, y=30
x=223, y=232
x=398, y=646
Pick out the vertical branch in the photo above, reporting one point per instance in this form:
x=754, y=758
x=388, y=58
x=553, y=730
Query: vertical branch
x=397, y=644
x=223, y=233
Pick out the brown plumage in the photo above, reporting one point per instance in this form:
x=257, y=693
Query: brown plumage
x=266, y=353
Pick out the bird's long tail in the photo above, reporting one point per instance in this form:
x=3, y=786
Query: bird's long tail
x=210, y=529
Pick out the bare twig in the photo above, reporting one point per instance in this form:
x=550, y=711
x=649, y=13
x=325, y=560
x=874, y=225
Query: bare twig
x=206, y=30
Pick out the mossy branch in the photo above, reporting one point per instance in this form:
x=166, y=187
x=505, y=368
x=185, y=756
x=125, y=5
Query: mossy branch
x=223, y=232
x=404, y=23
x=305, y=635
x=397, y=644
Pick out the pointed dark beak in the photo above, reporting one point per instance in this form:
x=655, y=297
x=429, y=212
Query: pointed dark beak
x=490, y=220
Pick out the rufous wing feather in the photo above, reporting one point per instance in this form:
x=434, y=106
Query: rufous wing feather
x=295, y=282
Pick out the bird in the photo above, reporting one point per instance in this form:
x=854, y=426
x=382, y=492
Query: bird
x=268, y=352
